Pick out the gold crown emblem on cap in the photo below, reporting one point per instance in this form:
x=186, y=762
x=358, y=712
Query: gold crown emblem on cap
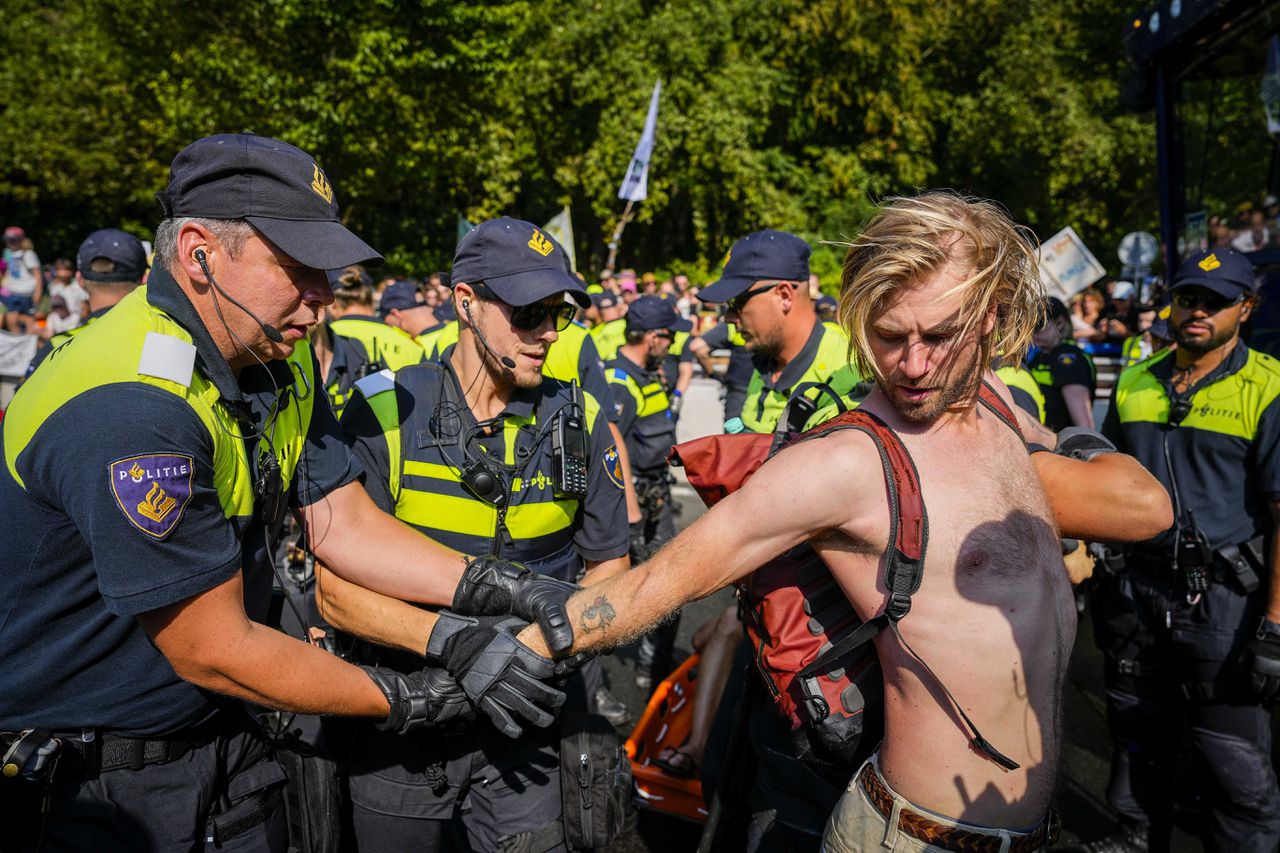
x=1165, y=312
x=320, y=184
x=1209, y=263
x=540, y=243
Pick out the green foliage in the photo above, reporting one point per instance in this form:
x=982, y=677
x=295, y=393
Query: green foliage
x=794, y=114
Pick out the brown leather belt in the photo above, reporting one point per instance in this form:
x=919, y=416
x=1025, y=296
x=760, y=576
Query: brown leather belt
x=924, y=828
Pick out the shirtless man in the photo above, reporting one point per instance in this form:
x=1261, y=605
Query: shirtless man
x=933, y=288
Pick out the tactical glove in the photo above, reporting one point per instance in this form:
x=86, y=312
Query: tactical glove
x=501, y=677
x=1083, y=443
x=429, y=697
x=637, y=550
x=1264, y=658
x=494, y=587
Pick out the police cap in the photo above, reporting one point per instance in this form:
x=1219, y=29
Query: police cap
x=1223, y=271
x=278, y=189
x=607, y=299
x=650, y=312
x=516, y=260
x=124, y=252
x=400, y=296
x=767, y=254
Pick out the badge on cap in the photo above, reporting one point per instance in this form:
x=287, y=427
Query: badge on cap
x=321, y=185
x=613, y=465
x=540, y=244
x=153, y=490
x=1209, y=263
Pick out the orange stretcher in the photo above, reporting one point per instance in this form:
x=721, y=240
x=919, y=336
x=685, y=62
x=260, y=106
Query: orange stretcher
x=666, y=723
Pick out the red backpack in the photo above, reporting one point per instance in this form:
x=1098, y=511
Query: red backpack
x=809, y=646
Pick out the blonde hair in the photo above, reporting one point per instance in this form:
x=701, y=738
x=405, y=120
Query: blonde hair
x=910, y=239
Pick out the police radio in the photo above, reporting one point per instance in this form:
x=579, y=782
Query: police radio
x=1193, y=556
x=569, y=452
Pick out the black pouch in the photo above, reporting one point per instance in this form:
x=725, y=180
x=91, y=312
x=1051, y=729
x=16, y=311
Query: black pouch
x=595, y=781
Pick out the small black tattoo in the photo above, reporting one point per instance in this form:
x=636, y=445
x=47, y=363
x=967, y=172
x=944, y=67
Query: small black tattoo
x=598, y=616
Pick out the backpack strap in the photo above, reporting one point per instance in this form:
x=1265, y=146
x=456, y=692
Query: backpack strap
x=991, y=400
x=908, y=541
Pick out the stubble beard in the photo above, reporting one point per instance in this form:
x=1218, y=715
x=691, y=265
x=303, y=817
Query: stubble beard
x=1218, y=338
x=932, y=408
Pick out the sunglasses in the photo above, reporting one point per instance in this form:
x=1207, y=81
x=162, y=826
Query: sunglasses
x=527, y=318
x=738, y=302
x=1190, y=298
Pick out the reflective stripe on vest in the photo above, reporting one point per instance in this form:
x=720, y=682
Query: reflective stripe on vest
x=425, y=482
x=136, y=342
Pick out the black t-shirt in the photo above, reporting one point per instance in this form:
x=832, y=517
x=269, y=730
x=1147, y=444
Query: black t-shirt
x=80, y=564
x=1054, y=369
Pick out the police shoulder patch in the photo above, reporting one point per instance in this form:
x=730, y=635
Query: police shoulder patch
x=1067, y=359
x=613, y=465
x=153, y=490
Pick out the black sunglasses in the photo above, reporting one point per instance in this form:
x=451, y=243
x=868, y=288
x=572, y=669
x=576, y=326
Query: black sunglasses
x=527, y=318
x=1188, y=298
x=738, y=302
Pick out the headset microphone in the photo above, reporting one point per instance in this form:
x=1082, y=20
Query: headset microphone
x=507, y=361
x=270, y=331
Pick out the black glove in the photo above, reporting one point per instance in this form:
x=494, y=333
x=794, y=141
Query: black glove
x=429, y=697
x=500, y=676
x=1082, y=443
x=637, y=550
x=494, y=587
x=1264, y=660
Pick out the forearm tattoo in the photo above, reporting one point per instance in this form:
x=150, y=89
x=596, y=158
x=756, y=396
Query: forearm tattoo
x=598, y=616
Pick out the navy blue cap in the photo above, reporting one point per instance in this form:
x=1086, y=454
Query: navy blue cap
x=1223, y=271
x=608, y=299
x=683, y=325
x=124, y=251
x=767, y=254
x=650, y=312
x=275, y=187
x=826, y=302
x=400, y=296
x=516, y=260
x=445, y=312
x=1160, y=325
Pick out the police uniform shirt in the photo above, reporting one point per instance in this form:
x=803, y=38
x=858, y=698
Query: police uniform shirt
x=823, y=356
x=385, y=345
x=1065, y=364
x=649, y=437
x=425, y=489
x=110, y=507
x=1225, y=452
x=1024, y=389
x=725, y=336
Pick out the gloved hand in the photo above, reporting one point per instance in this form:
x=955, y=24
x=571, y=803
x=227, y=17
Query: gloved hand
x=677, y=400
x=429, y=697
x=1082, y=443
x=1264, y=661
x=637, y=550
x=500, y=676
x=494, y=587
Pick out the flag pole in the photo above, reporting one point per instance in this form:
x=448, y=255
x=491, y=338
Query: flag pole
x=617, y=234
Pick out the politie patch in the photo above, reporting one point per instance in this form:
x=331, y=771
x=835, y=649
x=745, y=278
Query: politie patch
x=153, y=490
x=613, y=465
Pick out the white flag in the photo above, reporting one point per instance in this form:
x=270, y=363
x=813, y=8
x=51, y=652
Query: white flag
x=635, y=186
x=561, y=228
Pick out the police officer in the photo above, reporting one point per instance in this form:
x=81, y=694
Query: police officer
x=1063, y=371
x=649, y=428
x=765, y=285
x=1024, y=388
x=484, y=453
x=138, y=570
x=612, y=331
x=1191, y=626
x=109, y=265
x=403, y=306
x=677, y=365
x=1153, y=336
x=737, y=374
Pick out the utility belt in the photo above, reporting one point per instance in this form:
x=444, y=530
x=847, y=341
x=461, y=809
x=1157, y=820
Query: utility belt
x=90, y=753
x=1242, y=564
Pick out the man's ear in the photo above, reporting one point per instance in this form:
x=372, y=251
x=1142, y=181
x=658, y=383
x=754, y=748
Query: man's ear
x=989, y=321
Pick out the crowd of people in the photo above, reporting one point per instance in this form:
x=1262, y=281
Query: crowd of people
x=473, y=468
